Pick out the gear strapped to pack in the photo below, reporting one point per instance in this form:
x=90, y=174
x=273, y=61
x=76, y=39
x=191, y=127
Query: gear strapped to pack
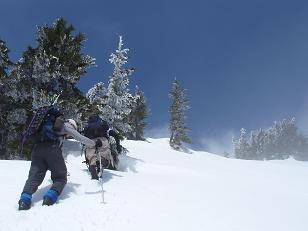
x=44, y=123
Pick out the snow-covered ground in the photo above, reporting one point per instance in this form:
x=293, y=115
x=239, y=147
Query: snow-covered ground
x=161, y=189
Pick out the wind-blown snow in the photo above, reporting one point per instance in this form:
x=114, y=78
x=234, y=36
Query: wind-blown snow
x=162, y=189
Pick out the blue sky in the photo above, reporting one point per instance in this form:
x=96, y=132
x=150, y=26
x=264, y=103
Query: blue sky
x=243, y=63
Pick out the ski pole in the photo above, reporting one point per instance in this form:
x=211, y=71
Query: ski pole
x=82, y=149
x=101, y=170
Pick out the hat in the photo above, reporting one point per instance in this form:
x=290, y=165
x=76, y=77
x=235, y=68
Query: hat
x=73, y=123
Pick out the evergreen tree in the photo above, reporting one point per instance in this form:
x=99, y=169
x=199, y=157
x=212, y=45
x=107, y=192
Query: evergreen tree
x=6, y=103
x=226, y=154
x=253, y=147
x=117, y=102
x=59, y=63
x=178, y=108
x=302, y=151
x=280, y=141
x=97, y=95
x=52, y=68
x=259, y=141
x=5, y=62
x=241, y=147
x=137, y=116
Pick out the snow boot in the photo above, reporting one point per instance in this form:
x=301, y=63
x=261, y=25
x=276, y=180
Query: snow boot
x=50, y=197
x=92, y=169
x=25, y=201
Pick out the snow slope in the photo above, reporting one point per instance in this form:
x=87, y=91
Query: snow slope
x=161, y=189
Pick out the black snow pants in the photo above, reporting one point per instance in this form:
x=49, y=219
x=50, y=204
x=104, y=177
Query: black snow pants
x=46, y=156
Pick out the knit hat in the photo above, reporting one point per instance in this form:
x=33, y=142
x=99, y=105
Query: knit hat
x=73, y=123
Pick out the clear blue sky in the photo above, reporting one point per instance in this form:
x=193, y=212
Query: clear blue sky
x=244, y=63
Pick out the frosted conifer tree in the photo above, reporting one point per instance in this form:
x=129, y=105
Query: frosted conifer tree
x=5, y=102
x=137, y=116
x=258, y=144
x=241, y=147
x=96, y=94
x=116, y=104
x=51, y=68
x=179, y=106
x=280, y=141
x=59, y=63
x=253, y=147
x=95, y=100
x=5, y=62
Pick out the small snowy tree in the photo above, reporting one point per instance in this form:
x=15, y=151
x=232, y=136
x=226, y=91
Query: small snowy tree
x=116, y=104
x=241, y=147
x=253, y=147
x=137, y=116
x=179, y=106
x=259, y=140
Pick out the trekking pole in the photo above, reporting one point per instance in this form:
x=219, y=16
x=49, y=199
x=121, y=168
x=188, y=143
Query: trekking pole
x=82, y=149
x=101, y=170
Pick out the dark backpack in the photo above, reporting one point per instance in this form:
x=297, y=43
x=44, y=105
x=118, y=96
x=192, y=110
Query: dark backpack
x=50, y=126
x=42, y=125
x=96, y=127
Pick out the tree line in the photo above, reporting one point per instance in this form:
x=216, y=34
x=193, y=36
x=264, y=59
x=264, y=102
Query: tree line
x=280, y=141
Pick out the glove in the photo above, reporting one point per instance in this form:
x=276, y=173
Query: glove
x=119, y=148
x=98, y=143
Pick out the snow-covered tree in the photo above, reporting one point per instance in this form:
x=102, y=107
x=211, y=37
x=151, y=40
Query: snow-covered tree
x=241, y=147
x=253, y=148
x=286, y=138
x=280, y=141
x=59, y=62
x=5, y=62
x=6, y=104
x=52, y=68
x=257, y=143
x=116, y=104
x=179, y=106
x=137, y=116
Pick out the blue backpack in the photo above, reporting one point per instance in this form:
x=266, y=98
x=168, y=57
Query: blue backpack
x=48, y=131
x=96, y=127
x=42, y=125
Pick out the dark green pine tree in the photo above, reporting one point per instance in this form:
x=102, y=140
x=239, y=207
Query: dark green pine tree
x=5, y=62
x=137, y=117
x=57, y=64
x=65, y=63
x=178, y=108
x=53, y=67
x=5, y=101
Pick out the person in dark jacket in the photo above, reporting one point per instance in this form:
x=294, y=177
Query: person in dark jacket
x=47, y=155
x=99, y=131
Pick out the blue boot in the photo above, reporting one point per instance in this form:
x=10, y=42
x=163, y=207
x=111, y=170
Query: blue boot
x=24, y=201
x=50, y=197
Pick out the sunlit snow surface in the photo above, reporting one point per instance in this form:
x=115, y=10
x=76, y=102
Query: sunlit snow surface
x=161, y=189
